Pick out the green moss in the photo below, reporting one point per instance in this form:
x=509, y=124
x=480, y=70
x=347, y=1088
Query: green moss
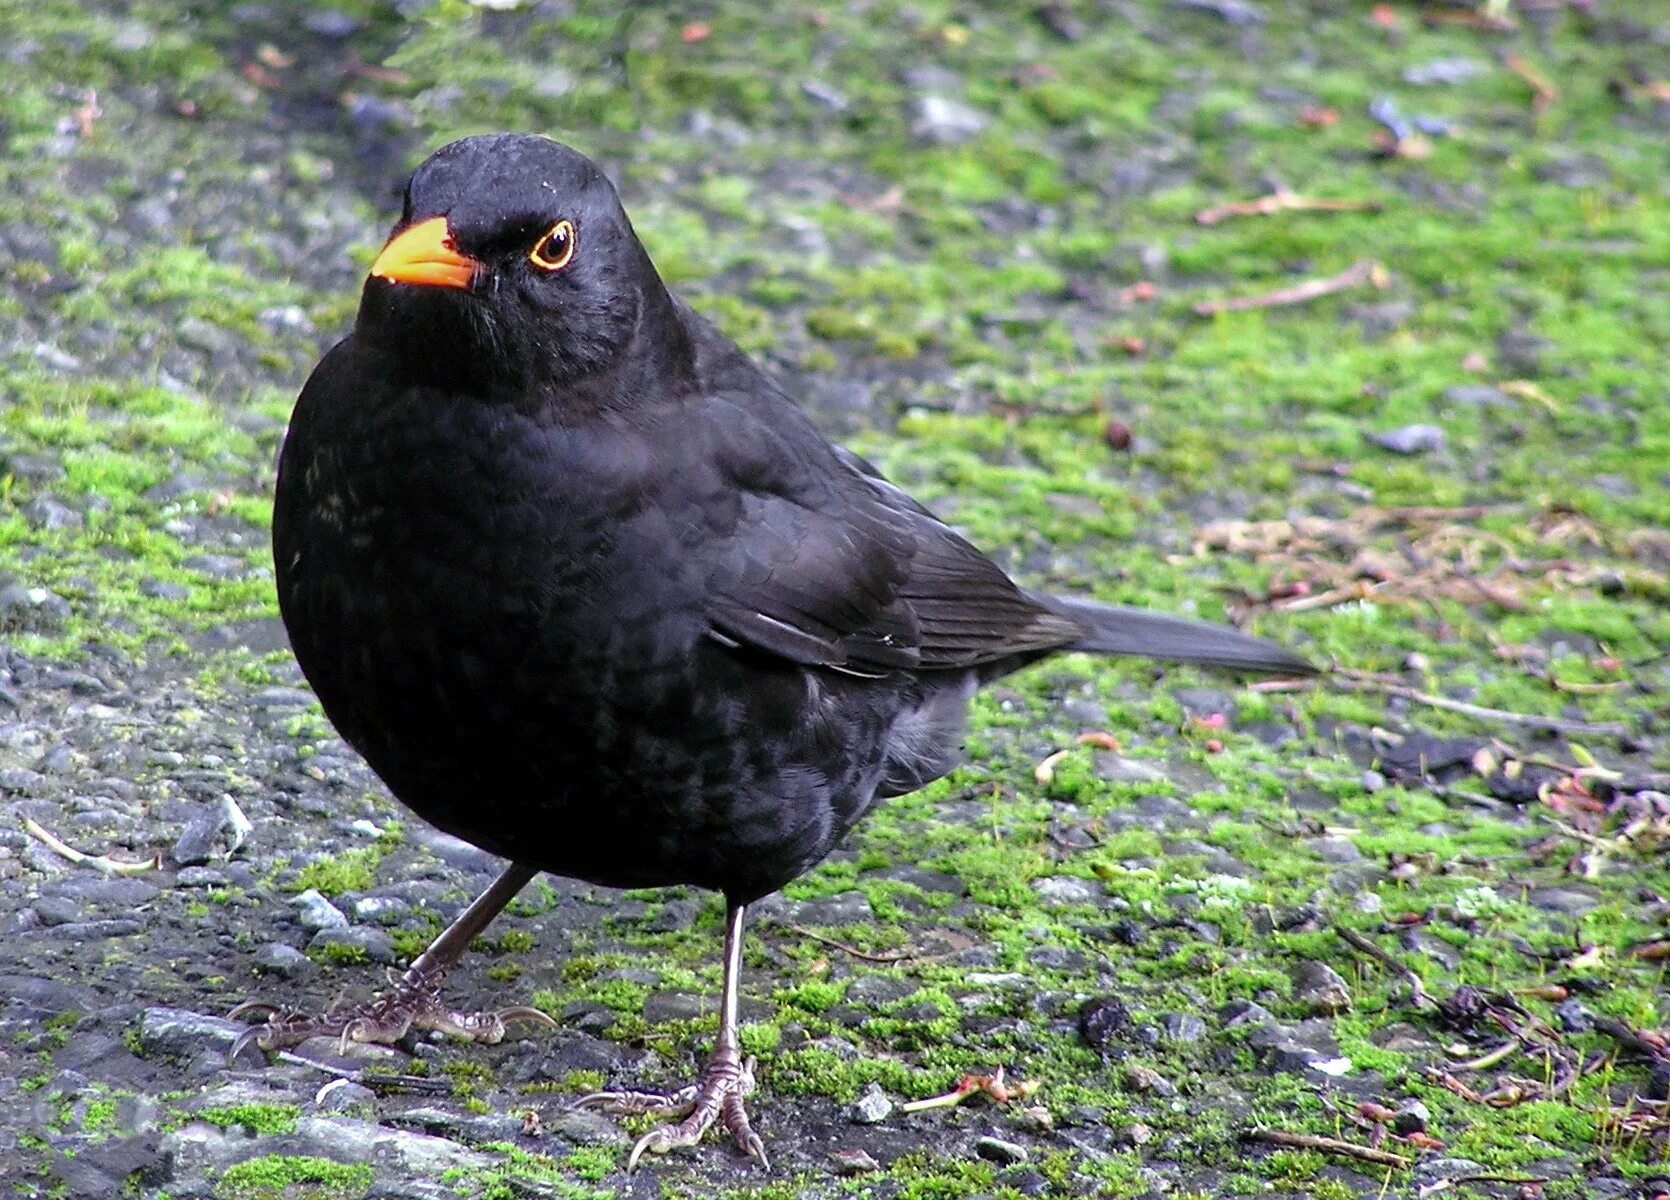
x=257, y=1118
x=347, y=871
x=281, y=1177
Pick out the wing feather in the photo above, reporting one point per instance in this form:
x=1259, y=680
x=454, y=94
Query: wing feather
x=825, y=563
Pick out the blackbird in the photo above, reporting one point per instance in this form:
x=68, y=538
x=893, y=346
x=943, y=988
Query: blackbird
x=588, y=590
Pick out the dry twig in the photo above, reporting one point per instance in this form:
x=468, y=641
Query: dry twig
x=1361, y=944
x=100, y=862
x=890, y=956
x=1367, y=681
x=1280, y=202
x=1328, y=1145
x=1543, y=92
x=1368, y=271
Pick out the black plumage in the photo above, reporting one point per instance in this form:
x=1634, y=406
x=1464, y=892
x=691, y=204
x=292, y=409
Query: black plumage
x=588, y=590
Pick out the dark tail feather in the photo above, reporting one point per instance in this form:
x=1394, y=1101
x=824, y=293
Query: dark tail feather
x=1110, y=629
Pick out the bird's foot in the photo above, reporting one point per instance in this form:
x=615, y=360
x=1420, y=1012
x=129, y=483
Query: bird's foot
x=717, y=1098
x=413, y=1003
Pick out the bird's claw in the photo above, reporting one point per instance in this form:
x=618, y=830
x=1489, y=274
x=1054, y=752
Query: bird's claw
x=716, y=1099
x=383, y=1020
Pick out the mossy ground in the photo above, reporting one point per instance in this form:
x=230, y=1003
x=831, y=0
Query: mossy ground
x=187, y=199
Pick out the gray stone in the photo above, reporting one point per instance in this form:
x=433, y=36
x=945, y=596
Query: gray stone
x=380, y=910
x=1439, y=951
x=583, y=1127
x=1133, y=1135
x=1518, y=351
x=50, y=513
x=285, y=318
x=1065, y=890
x=1301, y=1047
x=57, y=910
x=1410, y=439
x=374, y=944
x=156, y=589
x=1238, y=1014
x=32, y=609
x=872, y=1106
x=220, y=822
x=1116, y=768
x=217, y=566
x=1320, y=989
x=177, y=1033
x=878, y=991
x=344, y=1095
x=315, y=912
x=1336, y=849
x=276, y=958
x=674, y=1006
x=1232, y=12
x=942, y=121
x=1572, y=899
x=1443, y=71
x=201, y=877
x=849, y=908
x=1182, y=1028
x=1478, y=396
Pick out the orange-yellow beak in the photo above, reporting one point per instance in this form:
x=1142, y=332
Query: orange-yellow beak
x=424, y=255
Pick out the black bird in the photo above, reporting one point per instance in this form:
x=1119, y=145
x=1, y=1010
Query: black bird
x=588, y=590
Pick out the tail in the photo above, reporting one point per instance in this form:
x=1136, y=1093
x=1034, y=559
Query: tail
x=1110, y=629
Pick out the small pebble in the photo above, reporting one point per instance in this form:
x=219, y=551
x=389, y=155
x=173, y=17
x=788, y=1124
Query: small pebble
x=1145, y=1079
x=1410, y=439
x=315, y=912
x=855, y=1162
x=1135, y=1134
x=872, y=1106
x=1412, y=1117
x=1320, y=989
x=276, y=958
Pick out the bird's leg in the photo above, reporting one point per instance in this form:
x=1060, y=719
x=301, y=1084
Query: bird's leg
x=717, y=1096
x=415, y=1000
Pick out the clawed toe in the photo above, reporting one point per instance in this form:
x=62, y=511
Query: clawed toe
x=414, y=1003
x=717, y=1099
x=628, y=1102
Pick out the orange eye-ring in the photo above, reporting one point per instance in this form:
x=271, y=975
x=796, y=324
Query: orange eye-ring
x=554, y=251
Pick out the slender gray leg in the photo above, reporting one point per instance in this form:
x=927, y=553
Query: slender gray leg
x=718, y=1097
x=415, y=1000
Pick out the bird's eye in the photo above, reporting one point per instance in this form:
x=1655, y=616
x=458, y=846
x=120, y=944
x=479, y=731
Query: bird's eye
x=553, y=251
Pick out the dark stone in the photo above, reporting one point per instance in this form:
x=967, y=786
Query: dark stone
x=1320, y=989
x=287, y=962
x=878, y=991
x=999, y=1151
x=1573, y=1017
x=1519, y=352
x=673, y=1006
x=1103, y=1019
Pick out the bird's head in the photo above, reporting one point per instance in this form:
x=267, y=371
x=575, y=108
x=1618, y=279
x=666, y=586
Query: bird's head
x=513, y=263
